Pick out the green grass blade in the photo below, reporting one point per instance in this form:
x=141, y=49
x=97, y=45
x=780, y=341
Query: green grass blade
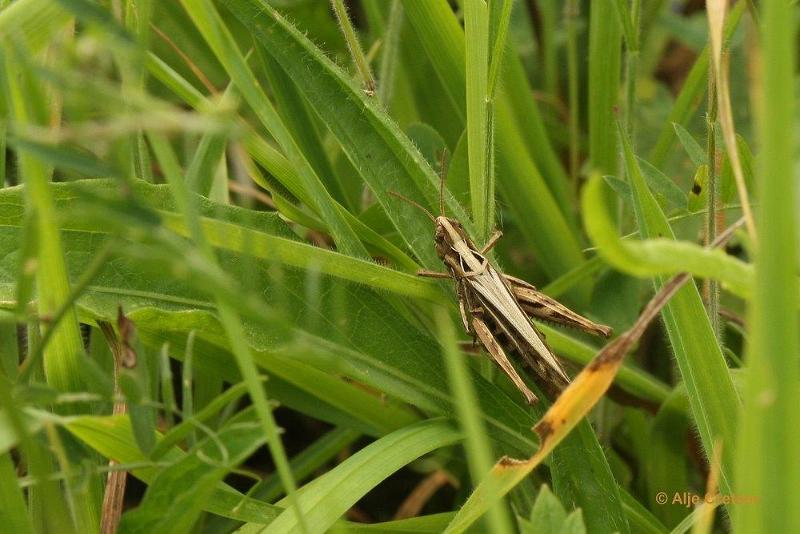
x=500, y=17
x=226, y=234
x=350, y=37
x=298, y=120
x=667, y=469
x=276, y=164
x=771, y=423
x=479, y=452
x=309, y=461
x=304, y=465
x=112, y=437
x=605, y=41
x=476, y=29
x=62, y=357
x=33, y=21
x=663, y=256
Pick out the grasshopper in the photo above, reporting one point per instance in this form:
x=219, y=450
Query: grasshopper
x=496, y=308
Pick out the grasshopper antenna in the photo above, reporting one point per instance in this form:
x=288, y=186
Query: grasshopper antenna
x=415, y=204
x=442, y=176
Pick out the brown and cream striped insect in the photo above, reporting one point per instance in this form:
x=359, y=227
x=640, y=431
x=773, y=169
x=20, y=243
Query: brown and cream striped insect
x=496, y=308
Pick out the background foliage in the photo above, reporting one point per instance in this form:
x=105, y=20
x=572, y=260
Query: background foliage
x=206, y=283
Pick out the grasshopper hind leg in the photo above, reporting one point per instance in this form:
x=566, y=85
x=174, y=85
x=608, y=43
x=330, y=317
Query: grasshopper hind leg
x=496, y=352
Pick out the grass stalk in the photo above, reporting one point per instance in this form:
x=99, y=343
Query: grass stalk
x=628, y=17
x=350, y=37
x=476, y=29
x=548, y=11
x=717, y=11
x=712, y=286
x=571, y=14
x=390, y=51
x=605, y=39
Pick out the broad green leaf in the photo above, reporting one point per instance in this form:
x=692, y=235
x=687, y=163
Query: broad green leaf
x=584, y=480
x=639, y=518
x=666, y=462
x=573, y=524
x=429, y=143
x=298, y=120
x=727, y=186
x=620, y=187
x=669, y=195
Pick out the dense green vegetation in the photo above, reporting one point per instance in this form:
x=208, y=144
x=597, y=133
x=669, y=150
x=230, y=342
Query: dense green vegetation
x=207, y=283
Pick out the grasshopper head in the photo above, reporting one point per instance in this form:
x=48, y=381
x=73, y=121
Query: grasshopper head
x=448, y=232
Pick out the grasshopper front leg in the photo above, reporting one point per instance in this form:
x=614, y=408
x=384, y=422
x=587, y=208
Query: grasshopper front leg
x=496, y=352
x=492, y=241
x=433, y=274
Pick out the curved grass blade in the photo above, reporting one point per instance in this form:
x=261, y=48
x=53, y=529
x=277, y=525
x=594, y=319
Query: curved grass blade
x=328, y=497
x=661, y=256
